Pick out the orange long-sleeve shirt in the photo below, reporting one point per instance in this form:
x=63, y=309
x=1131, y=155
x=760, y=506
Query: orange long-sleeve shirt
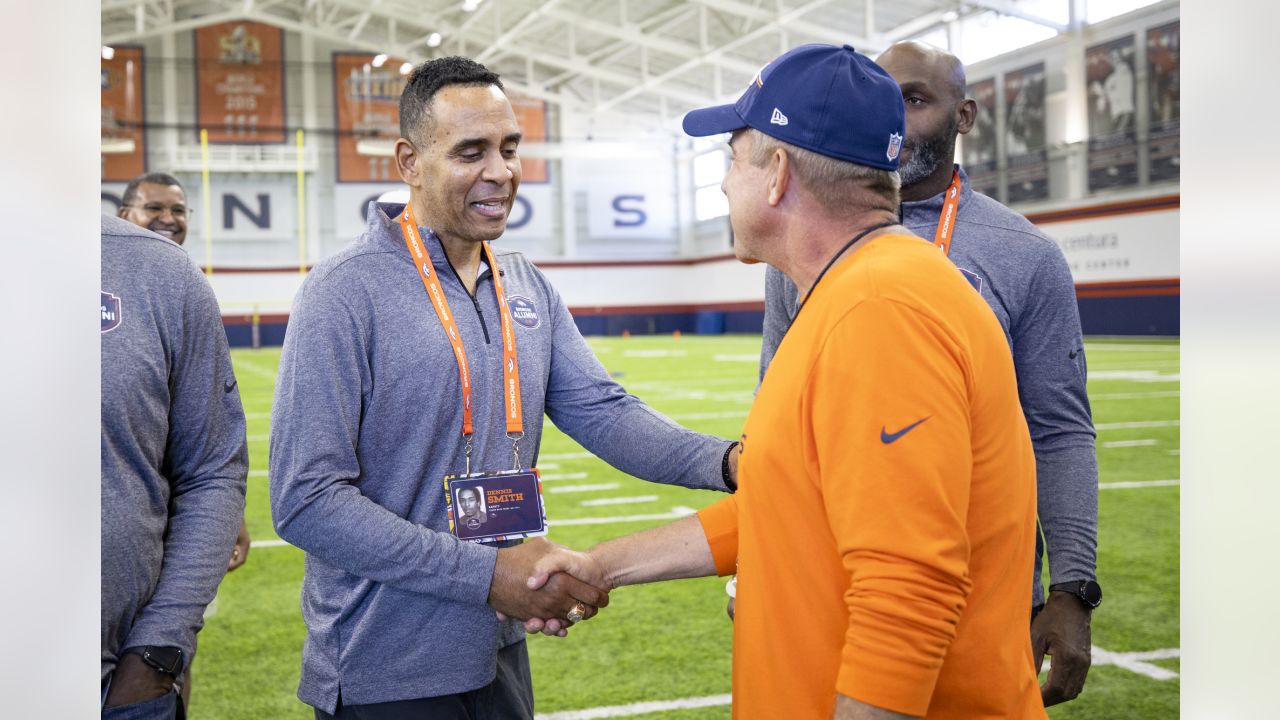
x=885, y=518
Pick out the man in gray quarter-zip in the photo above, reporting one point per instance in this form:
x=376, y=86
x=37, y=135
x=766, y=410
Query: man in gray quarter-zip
x=174, y=462
x=1024, y=277
x=369, y=414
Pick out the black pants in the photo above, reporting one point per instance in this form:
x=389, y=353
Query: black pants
x=508, y=697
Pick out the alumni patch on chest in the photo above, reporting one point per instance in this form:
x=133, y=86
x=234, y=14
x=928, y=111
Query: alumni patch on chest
x=524, y=311
x=110, y=311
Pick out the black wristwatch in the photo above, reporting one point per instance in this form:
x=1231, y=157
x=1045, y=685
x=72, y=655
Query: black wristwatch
x=1087, y=592
x=164, y=659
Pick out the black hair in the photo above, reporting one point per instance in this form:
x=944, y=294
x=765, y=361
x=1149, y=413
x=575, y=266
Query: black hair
x=428, y=78
x=154, y=178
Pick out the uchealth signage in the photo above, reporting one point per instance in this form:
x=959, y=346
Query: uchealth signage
x=263, y=209
x=530, y=216
x=628, y=200
x=1141, y=246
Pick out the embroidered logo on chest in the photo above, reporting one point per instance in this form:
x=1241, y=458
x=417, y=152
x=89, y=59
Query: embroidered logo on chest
x=110, y=311
x=524, y=311
x=974, y=279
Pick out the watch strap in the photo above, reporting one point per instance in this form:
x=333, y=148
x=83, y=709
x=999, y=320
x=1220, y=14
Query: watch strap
x=163, y=659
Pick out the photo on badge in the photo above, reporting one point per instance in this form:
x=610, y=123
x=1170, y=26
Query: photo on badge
x=492, y=507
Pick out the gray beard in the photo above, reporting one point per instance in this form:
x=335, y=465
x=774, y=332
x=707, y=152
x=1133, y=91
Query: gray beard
x=925, y=157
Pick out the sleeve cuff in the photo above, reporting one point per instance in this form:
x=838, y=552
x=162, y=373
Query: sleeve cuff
x=887, y=682
x=720, y=525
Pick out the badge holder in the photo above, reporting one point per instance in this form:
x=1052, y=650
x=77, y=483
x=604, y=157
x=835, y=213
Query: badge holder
x=496, y=506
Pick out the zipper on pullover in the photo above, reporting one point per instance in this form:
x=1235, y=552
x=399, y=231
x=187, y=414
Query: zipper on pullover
x=474, y=303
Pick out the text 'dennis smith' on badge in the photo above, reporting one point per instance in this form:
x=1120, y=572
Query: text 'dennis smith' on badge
x=492, y=507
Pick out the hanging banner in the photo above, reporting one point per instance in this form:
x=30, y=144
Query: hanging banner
x=124, y=149
x=367, y=107
x=240, y=82
x=531, y=115
x=1162, y=93
x=1113, y=133
x=1028, y=160
x=980, y=142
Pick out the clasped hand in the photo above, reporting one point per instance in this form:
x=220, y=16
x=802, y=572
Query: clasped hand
x=540, y=582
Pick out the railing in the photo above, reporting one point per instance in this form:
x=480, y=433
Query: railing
x=244, y=158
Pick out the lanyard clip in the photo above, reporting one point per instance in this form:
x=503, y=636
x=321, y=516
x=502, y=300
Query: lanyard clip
x=515, y=449
x=468, y=451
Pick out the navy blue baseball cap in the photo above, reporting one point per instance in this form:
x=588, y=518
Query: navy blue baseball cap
x=823, y=98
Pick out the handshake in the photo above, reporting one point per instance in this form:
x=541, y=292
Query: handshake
x=548, y=586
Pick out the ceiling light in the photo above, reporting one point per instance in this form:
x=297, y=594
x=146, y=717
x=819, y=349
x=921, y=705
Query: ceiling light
x=950, y=16
x=434, y=39
x=379, y=59
x=108, y=52
x=470, y=5
x=406, y=68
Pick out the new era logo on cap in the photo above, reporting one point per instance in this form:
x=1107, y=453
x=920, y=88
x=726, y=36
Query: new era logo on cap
x=845, y=105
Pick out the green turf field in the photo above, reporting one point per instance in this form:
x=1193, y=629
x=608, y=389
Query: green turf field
x=671, y=641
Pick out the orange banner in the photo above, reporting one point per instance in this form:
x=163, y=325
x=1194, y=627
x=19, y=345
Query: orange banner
x=240, y=82
x=123, y=142
x=367, y=107
x=531, y=115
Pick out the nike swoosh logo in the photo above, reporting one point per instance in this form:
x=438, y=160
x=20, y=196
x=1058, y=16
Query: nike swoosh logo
x=229, y=386
x=886, y=437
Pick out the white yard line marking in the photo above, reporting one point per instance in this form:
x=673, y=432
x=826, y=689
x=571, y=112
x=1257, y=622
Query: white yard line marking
x=1132, y=348
x=1129, y=443
x=1137, y=424
x=640, y=708
x=711, y=415
x=737, y=358
x=565, y=456
x=676, y=513
x=1177, y=451
x=1136, y=661
x=584, y=488
x=257, y=416
x=1138, y=484
x=548, y=466
x=258, y=473
x=551, y=477
x=1142, y=376
x=1136, y=395
x=256, y=369
x=654, y=353
x=258, y=438
x=634, y=500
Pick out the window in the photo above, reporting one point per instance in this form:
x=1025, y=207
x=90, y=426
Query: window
x=708, y=171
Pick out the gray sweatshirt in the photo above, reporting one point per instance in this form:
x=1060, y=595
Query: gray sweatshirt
x=174, y=457
x=1024, y=277
x=366, y=423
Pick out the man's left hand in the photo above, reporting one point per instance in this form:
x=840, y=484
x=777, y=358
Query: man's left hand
x=134, y=681
x=1061, y=630
x=240, y=552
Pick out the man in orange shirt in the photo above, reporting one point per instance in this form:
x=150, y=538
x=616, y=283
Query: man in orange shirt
x=889, y=416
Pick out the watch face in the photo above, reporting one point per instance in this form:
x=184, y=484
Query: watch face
x=1091, y=593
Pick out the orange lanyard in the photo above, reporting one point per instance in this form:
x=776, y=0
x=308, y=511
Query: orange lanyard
x=947, y=222
x=510, y=360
